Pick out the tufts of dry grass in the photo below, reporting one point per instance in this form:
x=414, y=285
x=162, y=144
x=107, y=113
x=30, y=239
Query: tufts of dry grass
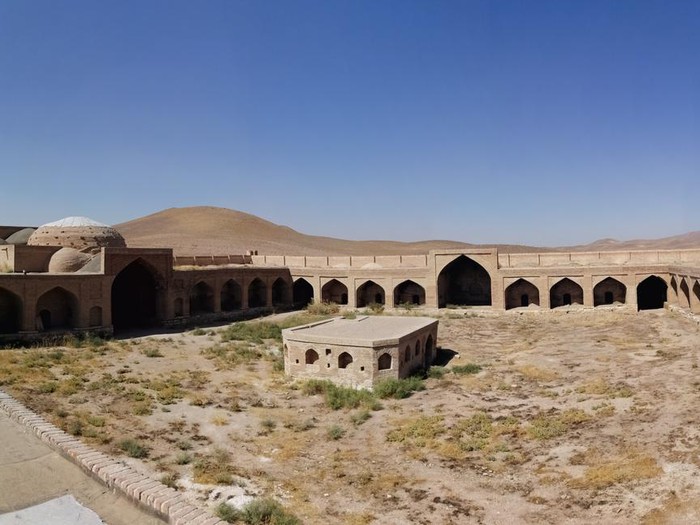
x=535, y=373
x=547, y=426
x=600, y=387
x=604, y=471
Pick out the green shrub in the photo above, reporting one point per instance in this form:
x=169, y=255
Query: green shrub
x=360, y=417
x=267, y=511
x=436, y=372
x=255, y=332
x=152, y=352
x=335, y=432
x=133, y=448
x=322, y=308
x=183, y=458
x=469, y=368
x=228, y=513
x=170, y=480
x=398, y=388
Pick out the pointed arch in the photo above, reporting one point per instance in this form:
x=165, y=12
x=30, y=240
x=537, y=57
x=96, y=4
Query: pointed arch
x=673, y=292
x=695, y=302
x=684, y=294
x=464, y=282
x=311, y=356
x=429, y=354
x=521, y=293
x=201, y=299
x=57, y=309
x=609, y=291
x=370, y=292
x=384, y=361
x=651, y=293
x=409, y=292
x=135, y=296
x=565, y=292
x=10, y=312
x=231, y=296
x=302, y=293
x=257, y=293
x=334, y=292
x=280, y=292
x=344, y=360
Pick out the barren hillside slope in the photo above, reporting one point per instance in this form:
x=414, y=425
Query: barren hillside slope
x=205, y=230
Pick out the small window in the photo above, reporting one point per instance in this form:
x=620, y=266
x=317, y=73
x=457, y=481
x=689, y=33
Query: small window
x=328, y=351
x=567, y=298
x=608, y=298
x=524, y=300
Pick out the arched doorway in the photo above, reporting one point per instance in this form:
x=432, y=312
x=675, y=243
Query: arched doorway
x=695, y=303
x=522, y=293
x=464, y=282
x=280, y=292
x=10, y=312
x=384, y=362
x=231, y=296
x=565, y=292
x=57, y=309
x=257, y=294
x=334, y=292
x=409, y=292
x=651, y=293
x=609, y=291
x=369, y=293
x=134, y=297
x=201, y=299
x=302, y=293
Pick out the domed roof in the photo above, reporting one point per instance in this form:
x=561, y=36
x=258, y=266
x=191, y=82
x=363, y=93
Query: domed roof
x=76, y=232
x=21, y=236
x=68, y=260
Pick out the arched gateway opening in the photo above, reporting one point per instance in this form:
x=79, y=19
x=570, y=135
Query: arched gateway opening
x=10, y=312
x=134, y=297
x=57, y=309
x=334, y=292
x=651, y=293
x=609, y=291
x=370, y=292
x=564, y=293
x=302, y=293
x=522, y=293
x=464, y=282
x=409, y=292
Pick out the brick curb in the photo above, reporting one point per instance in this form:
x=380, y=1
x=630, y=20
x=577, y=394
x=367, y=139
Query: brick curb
x=149, y=494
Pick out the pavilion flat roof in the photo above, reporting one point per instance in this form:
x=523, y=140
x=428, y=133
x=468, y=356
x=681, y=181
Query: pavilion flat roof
x=362, y=331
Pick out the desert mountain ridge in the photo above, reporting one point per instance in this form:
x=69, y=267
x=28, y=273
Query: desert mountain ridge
x=207, y=230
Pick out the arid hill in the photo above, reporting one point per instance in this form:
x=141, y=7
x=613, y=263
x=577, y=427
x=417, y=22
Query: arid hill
x=205, y=230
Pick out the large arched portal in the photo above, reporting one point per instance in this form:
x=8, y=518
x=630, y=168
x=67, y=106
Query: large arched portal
x=565, y=292
x=464, y=282
x=522, y=293
x=651, y=293
x=609, y=291
x=231, y=296
x=302, y=293
x=409, y=292
x=201, y=299
x=369, y=293
x=57, y=309
x=10, y=312
x=134, y=297
x=334, y=292
x=257, y=294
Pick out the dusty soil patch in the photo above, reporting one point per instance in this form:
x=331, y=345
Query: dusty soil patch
x=575, y=416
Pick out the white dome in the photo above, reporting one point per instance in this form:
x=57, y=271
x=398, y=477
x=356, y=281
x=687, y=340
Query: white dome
x=74, y=222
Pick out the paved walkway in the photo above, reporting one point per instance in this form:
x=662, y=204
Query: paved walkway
x=32, y=473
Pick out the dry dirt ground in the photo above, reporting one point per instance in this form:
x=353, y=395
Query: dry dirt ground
x=574, y=416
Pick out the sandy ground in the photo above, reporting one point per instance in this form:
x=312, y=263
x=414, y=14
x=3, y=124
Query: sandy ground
x=576, y=416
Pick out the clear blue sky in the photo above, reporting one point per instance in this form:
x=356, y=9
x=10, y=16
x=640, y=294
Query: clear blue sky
x=539, y=122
